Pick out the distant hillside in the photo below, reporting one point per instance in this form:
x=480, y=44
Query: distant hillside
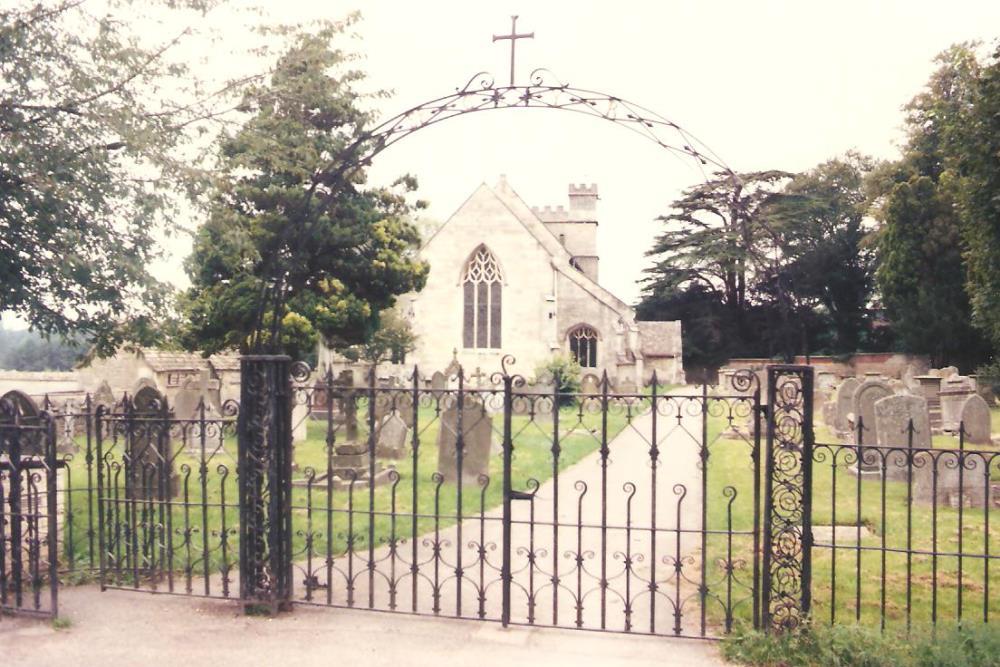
x=23, y=350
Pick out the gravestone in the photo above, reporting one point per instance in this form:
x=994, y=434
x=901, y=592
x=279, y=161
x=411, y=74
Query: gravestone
x=949, y=371
x=909, y=377
x=959, y=479
x=392, y=438
x=24, y=411
x=187, y=406
x=477, y=439
x=975, y=418
x=391, y=400
x=627, y=387
x=864, y=410
x=439, y=381
x=954, y=391
x=150, y=461
x=844, y=399
x=104, y=396
x=893, y=415
x=590, y=384
x=66, y=442
x=930, y=389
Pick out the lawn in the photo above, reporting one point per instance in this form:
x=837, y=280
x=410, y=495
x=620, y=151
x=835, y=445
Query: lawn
x=893, y=577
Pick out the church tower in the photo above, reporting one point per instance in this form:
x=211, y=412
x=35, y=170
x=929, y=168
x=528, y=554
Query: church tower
x=576, y=228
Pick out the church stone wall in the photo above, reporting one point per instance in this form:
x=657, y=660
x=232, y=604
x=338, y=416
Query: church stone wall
x=578, y=306
x=436, y=312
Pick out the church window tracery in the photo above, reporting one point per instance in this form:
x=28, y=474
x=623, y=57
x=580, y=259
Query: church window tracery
x=482, y=285
x=583, y=346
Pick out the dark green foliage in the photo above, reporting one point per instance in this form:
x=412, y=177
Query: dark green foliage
x=978, y=163
x=922, y=274
x=335, y=253
x=92, y=123
x=565, y=373
x=859, y=646
x=924, y=251
x=767, y=264
x=827, y=267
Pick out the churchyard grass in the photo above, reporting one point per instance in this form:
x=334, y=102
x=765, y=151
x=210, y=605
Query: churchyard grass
x=934, y=590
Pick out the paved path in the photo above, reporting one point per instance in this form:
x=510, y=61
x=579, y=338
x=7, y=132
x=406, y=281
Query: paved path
x=138, y=629
x=615, y=540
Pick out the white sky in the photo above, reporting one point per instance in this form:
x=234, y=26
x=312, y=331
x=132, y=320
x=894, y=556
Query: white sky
x=764, y=84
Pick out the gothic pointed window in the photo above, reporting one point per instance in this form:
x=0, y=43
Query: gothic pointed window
x=583, y=346
x=482, y=285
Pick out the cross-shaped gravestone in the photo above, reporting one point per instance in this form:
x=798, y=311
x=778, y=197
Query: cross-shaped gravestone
x=513, y=37
x=478, y=376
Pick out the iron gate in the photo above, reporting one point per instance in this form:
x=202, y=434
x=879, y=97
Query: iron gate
x=28, y=512
x=636, y=509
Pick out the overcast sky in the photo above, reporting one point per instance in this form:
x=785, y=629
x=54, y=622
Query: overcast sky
x=781, y=85
x=764, y=84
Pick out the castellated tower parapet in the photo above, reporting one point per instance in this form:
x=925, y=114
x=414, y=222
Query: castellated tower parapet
x=576, y=227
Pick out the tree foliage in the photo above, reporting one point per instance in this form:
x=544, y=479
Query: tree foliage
x=92, y=131
x=334, y=252
x=927, y=239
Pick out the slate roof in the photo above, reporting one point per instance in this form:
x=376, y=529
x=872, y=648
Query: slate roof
x=162, y=361
x=657, y=339
x=225, y=361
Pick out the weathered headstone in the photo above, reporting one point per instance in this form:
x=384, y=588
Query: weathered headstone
x=952, y=479
x=844, y=399
x=909, y=377
x=864, y=414
x=954, y=391
x=66, y=442
x=21, y=407
x=893, y=417
x=104, y=396
x=439, y=381
x=626, y=387
x=149, y=456
x=975, y=418
x=949, y=371
x=930, y=389
x=477, y=438
x=392, y=437
x=590, y=384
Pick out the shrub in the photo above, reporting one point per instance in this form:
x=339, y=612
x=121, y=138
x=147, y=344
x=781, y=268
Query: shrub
x=857, y=646
x=565, y=373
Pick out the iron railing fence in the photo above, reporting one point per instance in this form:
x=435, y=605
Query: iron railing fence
x=904, y=536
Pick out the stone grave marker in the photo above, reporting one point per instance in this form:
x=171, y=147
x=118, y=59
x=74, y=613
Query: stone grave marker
x=949, y=371
x=626, y=387
x=104, y=396
x=392, y=438
x=186, y=406
x=892, y=419
x=930, y=389
x=66, y=442
x=959, y=479
x=439, y=381
x=477, y=439
x=26, y=412
x=590, y=384
x=975, y=418
x=844, y=398
x=149, y=452
x=864, y=409
x=954, y=391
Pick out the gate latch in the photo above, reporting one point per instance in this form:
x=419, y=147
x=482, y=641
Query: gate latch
x=520, y=495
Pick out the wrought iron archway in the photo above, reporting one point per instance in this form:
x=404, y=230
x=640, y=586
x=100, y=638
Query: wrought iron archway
x=264, y=433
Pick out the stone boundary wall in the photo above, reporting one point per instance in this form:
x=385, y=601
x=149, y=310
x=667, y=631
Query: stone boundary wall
x=889, y=364
x=41, y=383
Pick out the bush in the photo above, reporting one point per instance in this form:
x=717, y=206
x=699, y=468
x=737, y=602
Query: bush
x=988, y=375
x=857, y=646
x=564, y=372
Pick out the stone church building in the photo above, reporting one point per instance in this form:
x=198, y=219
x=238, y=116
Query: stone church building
x=506, y=278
